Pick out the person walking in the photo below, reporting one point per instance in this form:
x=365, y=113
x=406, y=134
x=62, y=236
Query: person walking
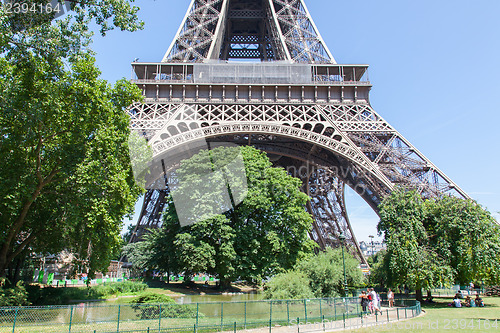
x=364, y=301
x=375, y=300
x=370, y=300
x=390, y=297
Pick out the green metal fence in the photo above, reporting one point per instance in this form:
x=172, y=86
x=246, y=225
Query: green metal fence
x=196, y=317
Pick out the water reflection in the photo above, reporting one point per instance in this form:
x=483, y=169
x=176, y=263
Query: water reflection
x=226, y=297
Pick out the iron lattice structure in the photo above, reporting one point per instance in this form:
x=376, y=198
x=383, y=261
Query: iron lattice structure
x=311, y=115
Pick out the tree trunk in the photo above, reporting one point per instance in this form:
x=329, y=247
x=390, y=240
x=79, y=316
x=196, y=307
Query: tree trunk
x=224, y=283
x=418, y=295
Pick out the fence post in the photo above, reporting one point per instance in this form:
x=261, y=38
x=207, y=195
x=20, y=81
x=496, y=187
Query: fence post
x=159, y=321
x=15, y=319
x=270, y=314
x=221, y=314
x=320, y=309
x=234, y=327
x=197, y=312
x=335, y=307
x=323, y=321
x=245, y=314
x=298, y=325
x=288, y=311
x=70, y=318
x=397, y=311
x=343, y=318
x=406, y=315
x=388, y=320
x=305, y=311
x=194, y=328
x=118, y=321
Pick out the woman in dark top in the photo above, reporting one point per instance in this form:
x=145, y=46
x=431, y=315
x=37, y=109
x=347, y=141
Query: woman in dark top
x=364, y=300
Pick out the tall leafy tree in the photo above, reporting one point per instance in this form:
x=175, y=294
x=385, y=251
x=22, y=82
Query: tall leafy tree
x=467, y=237
x=65, y=173
x=435, y=242
x=264, y=234
x=326, y=272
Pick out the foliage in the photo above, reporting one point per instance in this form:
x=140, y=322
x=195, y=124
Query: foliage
x=65, y=175
x=54, y=296
x=266, y=233
x=289, y=285
x=49, y=295
x=13, y=296
x=125, y=287
x=326, y=272
x=38, y=32
x=153, y=298
x=431, y=243
x=151, y=305
x=320, y=276
x=467, y=237
x=378, y=269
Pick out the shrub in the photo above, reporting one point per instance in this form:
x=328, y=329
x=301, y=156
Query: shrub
x=47, y=295
x=14, y=296
x=53, y=296
x=126, y=287
x=319, y=276
x=291, y=285
x=151, y=305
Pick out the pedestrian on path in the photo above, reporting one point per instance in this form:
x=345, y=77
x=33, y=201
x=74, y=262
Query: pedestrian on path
x=390, y=298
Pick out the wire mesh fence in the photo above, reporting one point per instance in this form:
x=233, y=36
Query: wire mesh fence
x=195, y=317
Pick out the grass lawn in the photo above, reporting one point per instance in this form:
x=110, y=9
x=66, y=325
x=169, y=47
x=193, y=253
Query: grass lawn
x=440, y=317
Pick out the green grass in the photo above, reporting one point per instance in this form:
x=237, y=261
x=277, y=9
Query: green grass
x=440, y=317
x=59, y=296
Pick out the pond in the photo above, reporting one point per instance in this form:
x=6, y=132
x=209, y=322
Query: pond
x=226, y=297
x=188, y=299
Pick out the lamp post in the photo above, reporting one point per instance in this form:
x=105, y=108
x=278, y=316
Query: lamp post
x=342, y=240
x=373, y=248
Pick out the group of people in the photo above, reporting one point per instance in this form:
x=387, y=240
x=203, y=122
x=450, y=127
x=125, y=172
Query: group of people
x=469, y=302
x=370, y=300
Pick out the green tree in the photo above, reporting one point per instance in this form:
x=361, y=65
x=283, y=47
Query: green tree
x=321, y=275
x=467, y=237
x=431, y=243
x=264, y=234
x=410, y=260
x=289, y=285
x=378, y=269
x=326, y=272
x=65, y=175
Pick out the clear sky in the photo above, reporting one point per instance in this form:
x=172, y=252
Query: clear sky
x=434, y=66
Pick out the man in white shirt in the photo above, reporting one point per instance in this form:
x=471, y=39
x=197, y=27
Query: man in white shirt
x=376, y=305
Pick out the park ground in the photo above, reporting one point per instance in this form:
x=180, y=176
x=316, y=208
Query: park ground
x=196, y=288
x=439, y=317
x=173, y=289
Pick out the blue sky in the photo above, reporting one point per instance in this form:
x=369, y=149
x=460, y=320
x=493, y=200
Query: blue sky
x=434, y=66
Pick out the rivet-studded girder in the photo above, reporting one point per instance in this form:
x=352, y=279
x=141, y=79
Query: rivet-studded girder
x=312, y=116
x=258, y=29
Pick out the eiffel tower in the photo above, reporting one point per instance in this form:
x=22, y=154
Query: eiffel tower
x=257, y=72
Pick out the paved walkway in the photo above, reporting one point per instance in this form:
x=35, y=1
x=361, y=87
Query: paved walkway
x=388, y=316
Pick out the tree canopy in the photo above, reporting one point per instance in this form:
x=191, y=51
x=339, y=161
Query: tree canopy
x=264, y=233
x=438, y=241
x=65, y=173
x=321, y=275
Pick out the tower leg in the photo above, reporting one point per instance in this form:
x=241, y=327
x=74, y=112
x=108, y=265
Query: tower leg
x=327, y=205
x=153, y=206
